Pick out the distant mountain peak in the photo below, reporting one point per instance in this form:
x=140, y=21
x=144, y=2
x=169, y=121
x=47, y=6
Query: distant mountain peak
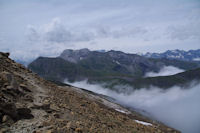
x=191, y=55
x=74, y=55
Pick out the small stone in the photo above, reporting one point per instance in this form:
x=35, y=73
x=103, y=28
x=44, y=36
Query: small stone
x=9, y=87
x=3, y=130
x=79, y=130
x=5, y=118
x=54, y=107
x=49, y=131
x=68, y=125
x=169, y=129
x=24, y=87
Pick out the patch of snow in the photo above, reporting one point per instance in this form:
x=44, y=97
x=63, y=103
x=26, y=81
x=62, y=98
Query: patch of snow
x=122, y=111
x=175, y=56
x=196, y=59
x=148, y=54
x=143, y=123
x=139, y=53
x=174, y=51
x=116, y=62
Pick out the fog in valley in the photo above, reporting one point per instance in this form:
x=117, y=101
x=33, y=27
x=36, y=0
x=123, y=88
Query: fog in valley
x=165, y=71
x=176, y=107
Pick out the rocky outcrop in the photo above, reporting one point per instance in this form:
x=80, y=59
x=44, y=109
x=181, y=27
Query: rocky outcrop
x=29, y=103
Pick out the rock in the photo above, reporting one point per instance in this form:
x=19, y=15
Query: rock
x=9, y=78
x=10, y=110
x=9, y=87
x=24, y=113
x=79, y=130
x=3, y=130
x=56, y=115
x=54, y=107
x=48, y=131
x=1, y=117
x=5, y=118
x=24, y=87
x=4, y=54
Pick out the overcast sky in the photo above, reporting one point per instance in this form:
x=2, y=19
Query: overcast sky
x=31, y=28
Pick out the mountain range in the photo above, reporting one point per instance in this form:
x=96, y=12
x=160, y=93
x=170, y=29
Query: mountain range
x=191, y=55
x=111, y=67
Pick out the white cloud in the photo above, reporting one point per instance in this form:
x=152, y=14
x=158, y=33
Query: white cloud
x=176, y=107
x=165, y=71
x=56, y=32
x=184, y=31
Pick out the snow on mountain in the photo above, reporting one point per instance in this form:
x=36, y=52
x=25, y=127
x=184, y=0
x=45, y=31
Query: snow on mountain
x=191, y=55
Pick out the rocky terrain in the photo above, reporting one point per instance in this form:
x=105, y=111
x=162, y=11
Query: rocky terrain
x=29, y=103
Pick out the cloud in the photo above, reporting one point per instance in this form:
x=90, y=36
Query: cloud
x=165, y=71
x=176, y=107
x=184, y=31
x=129, y=32
x=131, y=26
x=56, y=32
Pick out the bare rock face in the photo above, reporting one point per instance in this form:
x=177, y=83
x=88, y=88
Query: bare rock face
x=29, y=103
x=75, y=55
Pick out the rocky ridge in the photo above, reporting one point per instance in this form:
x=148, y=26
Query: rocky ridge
x=29, y=103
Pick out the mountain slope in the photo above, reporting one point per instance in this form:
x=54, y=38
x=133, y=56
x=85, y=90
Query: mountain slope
x=29, y=103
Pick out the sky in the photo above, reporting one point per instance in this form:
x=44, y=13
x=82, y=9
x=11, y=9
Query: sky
x=33, y=28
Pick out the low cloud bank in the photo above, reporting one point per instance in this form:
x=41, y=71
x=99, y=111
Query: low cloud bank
x=175, y=107
x=165, y=71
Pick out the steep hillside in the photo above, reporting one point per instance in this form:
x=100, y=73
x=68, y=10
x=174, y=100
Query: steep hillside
x=93, y=65
x=29, y=103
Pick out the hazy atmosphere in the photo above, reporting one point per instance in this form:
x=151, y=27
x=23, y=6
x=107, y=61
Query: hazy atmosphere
x=32, y=28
